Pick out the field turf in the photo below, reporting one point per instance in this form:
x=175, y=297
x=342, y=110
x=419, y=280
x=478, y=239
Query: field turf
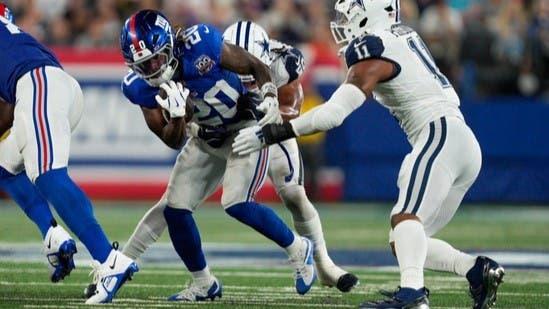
x=346, y=226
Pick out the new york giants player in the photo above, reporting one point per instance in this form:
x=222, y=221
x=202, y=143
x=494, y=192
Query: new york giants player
x=285, y=167
x=390, y=61
x=208, y=67
x=47, y=106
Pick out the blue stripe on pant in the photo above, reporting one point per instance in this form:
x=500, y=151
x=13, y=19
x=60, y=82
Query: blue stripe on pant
x=428, y=167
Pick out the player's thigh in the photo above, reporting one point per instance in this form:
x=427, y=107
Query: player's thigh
x=424, y=181
x=285, y=165
x=195, y=176
x=10, y=157
x=446, y=211
x=49, y=101
x=244, y=176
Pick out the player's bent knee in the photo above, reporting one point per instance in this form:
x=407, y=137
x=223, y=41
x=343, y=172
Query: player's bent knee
x=400, y=217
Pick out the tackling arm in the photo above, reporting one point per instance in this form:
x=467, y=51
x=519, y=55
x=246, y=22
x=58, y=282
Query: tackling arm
x=361, y=80
x=171, y=132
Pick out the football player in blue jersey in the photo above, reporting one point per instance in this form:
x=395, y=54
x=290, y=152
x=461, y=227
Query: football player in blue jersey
x=192, y=77
x=47, y=105
x=390, y=61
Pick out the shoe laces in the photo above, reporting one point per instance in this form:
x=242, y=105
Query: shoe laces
x=191, y=291
x=97, y=272
x=298, y=262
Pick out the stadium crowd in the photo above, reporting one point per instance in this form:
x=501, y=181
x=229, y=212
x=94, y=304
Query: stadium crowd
x=487, y=47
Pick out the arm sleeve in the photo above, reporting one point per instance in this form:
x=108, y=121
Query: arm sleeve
x=138, y=92
x=331, y=114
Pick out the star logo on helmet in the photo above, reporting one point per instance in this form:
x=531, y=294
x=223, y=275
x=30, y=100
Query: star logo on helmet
x=265, y=45
x=358, y=3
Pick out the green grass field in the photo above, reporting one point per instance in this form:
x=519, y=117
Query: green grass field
x=346, y=226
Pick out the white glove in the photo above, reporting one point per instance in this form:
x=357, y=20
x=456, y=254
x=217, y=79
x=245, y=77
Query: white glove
x=269, y=107
x=248, y=140
x=176, y=100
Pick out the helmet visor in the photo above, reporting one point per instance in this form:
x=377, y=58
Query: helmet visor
x=152, y=66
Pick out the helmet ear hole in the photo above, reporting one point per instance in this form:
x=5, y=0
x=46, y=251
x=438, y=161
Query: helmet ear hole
x=363, y=22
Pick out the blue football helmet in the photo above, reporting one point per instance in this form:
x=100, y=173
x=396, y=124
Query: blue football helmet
x=6, y=13
x=147, y=43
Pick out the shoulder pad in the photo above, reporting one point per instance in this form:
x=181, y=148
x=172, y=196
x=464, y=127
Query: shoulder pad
x=295, y=64
x=362, y=48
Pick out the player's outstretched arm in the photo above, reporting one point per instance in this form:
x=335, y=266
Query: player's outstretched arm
x=361, y=80
x=171, y=132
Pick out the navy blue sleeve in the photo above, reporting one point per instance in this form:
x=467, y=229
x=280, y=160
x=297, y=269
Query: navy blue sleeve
x=138, y=92
x=295, y=64
x=362, y=48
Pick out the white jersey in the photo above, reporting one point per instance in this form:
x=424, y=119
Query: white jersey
x=418, y=93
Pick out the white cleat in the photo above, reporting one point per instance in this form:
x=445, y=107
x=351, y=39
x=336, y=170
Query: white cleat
x=59, y=248
x=110, y=276
x=305, y=274
x=200, y=292
x=331, y=275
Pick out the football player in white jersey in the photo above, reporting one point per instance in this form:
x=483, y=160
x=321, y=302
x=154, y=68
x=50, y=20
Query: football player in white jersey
x=285, y=166
x=389, y=61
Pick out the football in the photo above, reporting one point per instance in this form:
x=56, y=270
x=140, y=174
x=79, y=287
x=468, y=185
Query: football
x=189, y=107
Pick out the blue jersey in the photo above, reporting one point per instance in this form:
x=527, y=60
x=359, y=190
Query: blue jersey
x=214, y=90
x=20, y=53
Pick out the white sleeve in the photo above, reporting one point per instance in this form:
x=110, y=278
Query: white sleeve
x=331, y=114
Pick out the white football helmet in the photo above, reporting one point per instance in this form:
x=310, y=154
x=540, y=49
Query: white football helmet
x=357, y=17
x=253, y=38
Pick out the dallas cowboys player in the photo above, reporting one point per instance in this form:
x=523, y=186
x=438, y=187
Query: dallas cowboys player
x=285, y=168
x=208, y=67
x=390, y=61
x=47, y=106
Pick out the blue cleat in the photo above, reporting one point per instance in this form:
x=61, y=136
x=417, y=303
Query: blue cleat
x=196, y=292
x=484, y=280
x=402, y=298
x=59, y=248
x=110, y=276
x=305, y=273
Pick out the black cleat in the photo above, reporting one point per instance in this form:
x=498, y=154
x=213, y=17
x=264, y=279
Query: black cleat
x=347, y=282
x=402, y=298
x=484, y=280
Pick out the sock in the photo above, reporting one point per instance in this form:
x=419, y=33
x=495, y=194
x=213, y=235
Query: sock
x=443, y=257
x=295, y=247
x=24, y=193
x=312, y=229
x=411, y=250
x=264, y=220
x=202, y=277
x=147, y=232
x=75, y=209
x=185, y=238
x=306, y=220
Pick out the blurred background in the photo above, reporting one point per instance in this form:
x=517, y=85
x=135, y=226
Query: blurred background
x=494, y=51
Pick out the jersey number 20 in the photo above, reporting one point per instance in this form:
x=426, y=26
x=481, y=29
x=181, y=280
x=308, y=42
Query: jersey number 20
x=418, y=47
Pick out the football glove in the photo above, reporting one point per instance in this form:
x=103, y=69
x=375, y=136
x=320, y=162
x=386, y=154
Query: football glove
x=176, y=98
x=269, y=107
